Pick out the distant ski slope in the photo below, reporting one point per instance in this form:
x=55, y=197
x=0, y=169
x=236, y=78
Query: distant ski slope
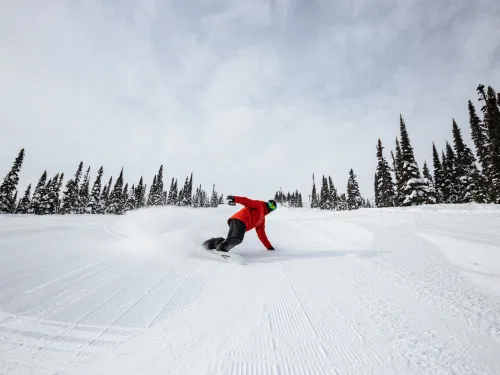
x=392, y=291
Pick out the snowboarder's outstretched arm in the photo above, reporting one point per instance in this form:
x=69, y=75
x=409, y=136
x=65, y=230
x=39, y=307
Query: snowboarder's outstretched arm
x=250, y=203
x=261, y=233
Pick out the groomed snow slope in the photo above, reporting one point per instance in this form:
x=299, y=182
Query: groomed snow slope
x=402, y=291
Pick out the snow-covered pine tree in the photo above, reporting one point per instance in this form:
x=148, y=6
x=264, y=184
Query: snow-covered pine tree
x=197, y=198
x=429, y=189
x=353, y=194
x=214, y=201
x=385, y=189
x=189, y=195
x=84, y=193
x=24, y=203
x=450, y=180
x=131, y=200
x=170, y=201
x=156, y=192
x=34, y=207
x=48, y=201
x=409, y=176
x=182, y=200
x=93, y=202
x=151, y=195
x=104, y=199
x=221, y=199
x=116, y=205
x=143, y=196
x=57, y=203
x=314, y=196
x=492, y=123
x=397, y=163
x=438, y=174
x=343, y=205
x=300, y=203
x=333, y=194
x=172, y=194
x=138, y=193
x=324, y=198
x=445, y=180
x=426, y=173
x=479, y=135
x=13, y=203
x=9, y=185
x=465, y=167
x=375, y=190
x=125, y=197
x=70, y=204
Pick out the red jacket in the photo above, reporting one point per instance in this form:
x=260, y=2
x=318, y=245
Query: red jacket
x=254, y=216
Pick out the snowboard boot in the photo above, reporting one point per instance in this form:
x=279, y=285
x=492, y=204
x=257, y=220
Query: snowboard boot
x=212, y=243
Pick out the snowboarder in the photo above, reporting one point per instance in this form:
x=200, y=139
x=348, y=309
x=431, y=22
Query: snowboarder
x=249, y=217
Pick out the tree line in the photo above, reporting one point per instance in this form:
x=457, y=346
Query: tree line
x=289, y=200
x=79, y=198
x=459, y=174
x=329, y=198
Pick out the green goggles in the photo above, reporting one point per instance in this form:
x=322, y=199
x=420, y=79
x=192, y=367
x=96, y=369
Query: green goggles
x=271, y=206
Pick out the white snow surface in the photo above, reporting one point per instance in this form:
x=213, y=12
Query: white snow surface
x=374, y=291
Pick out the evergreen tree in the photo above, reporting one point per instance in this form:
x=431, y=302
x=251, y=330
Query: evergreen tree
x=465, y=168
x=171, y=194
x=116, y=205
x=151, y=195
x=37, y=195
x=314, y=196
x=429, y=189
x=385, y=187
x=93, y=204
x=426, y=173
x=397, y=162
x=492, y=123
x=71, y=195
x=131, y=200
x=450, y=177
x=156, y=192
x=189, y=192
x=104, y=199
x=376, y=191
x=215, y=199
x=24, y=203
x=438, y=174
x=221, y=199
x=479, y=136
x=343, y=205
x=84, y=193
x=48, y=201
x=143, y=196
x=139, y=193
x=353, y=194
x=9, y=185
x=333, y=194
x=324, y=198
x=57, y=194
x=13, y=203
x=409, y=173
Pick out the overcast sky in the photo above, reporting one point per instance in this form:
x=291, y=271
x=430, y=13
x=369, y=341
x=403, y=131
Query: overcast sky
x=252, y=95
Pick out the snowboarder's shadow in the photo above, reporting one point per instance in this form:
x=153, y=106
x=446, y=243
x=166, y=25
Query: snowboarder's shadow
x=283, y=255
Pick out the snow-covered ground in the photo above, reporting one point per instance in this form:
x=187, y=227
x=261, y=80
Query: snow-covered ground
x=379, y=291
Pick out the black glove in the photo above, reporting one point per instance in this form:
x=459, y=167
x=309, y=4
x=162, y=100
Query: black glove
x=230, y=200
x=271, y=248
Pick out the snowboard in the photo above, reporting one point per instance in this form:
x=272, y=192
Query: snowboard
x=226, y=256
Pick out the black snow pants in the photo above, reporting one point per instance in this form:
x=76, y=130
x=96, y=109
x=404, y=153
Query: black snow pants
x=235, y=236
